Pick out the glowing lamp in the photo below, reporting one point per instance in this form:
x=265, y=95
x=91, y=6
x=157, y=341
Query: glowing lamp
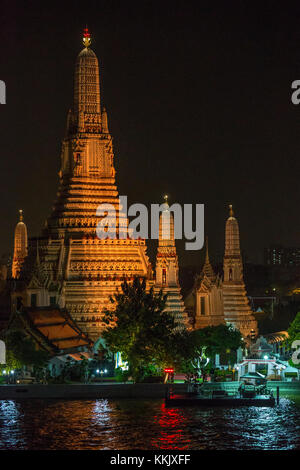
x=266, y=357
x=169, y=370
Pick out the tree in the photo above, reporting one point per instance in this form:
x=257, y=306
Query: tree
x=148, y=337
x=21, y=351
x=294, y=336
x=211, y=340
x=294, y=329
x=217, y=339
x=139, y=328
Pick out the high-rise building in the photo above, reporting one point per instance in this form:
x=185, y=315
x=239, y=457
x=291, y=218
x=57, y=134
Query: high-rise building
x=278, y=255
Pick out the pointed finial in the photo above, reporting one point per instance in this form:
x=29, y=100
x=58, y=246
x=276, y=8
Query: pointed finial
x=166, y=203
x=206, y=252
x=21, y=214
x=86, y=37
x=37, y=253
x=231, y=213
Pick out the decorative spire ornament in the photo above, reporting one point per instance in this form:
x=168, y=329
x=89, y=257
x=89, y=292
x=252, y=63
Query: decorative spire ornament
x=86, y=37
x=206, y=251
x=231, y=213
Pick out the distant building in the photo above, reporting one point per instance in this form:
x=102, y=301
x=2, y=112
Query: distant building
x=278, y=255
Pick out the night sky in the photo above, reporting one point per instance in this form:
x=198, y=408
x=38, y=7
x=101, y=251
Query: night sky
x=199, y=105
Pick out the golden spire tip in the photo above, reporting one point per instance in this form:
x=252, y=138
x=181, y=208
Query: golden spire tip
x=21, y=214
x=86, y=37
x=231, y=213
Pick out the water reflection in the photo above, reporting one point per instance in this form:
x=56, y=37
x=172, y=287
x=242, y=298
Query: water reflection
x=11, y=424
x=144, y=424
x=172, y=423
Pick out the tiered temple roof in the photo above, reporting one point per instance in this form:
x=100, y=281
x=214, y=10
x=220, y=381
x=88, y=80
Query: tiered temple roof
x=54, y=330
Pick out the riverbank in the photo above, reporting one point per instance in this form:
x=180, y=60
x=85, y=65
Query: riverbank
x=123, y=390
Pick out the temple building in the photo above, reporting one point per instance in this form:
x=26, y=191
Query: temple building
x=167, y=267
x=214, y=300
x=70, y=268
x=68, y=265
x=206, y=298
x=20, y=246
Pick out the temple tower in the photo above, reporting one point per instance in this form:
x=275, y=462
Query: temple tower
x=79, y=270
x=206, y=299
x=167, y=269
x=20, y=246
x=236, y=305
x=207, y=269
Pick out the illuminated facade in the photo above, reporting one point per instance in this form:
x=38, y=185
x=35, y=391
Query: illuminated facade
x=20, y=246
x=69, y=265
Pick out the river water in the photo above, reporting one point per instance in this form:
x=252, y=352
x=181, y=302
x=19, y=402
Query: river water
x=145, y=424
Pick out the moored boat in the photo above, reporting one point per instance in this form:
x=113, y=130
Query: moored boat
x=252, y=391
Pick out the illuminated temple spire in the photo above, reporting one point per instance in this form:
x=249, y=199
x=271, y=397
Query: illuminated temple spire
x=167, y=269
x=87, y=106
x=236, y=305
x=166, y=226
x=20, y=246
x=81, y=270
x=232, y=236
x=87, y=159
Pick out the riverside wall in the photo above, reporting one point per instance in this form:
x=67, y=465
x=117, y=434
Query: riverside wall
x=118, y=390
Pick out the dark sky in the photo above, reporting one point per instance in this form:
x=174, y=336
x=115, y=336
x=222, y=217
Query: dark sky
x=199, y=105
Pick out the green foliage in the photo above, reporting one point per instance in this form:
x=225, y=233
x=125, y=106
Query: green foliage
x=139, y=328
x=217, y=339
x=121, y=375
x=291, y=374
x=21, y=351
x=294, y=329
x=294, y=334
x=147, y=337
